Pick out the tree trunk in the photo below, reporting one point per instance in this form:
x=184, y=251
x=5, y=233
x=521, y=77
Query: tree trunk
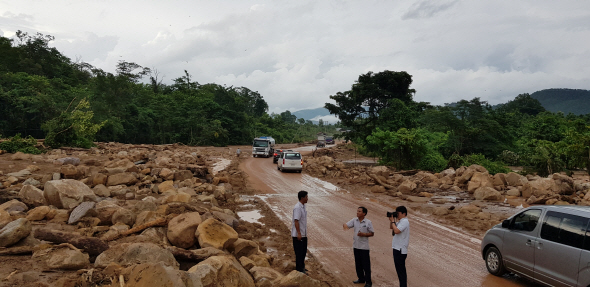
x=91, y=245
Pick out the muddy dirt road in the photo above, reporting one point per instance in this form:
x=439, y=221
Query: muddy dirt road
x=437, y=256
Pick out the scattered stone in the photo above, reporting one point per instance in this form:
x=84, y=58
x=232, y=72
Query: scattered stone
x=13, y=206
x=212, y=233
x=121, y=179
x=67, y=258
x=407, y=187
x=181, y=229
x=155, y=274
x=70, y=172
x=378, y=189
x=14, y=231
x=31, y=181
x=101, y=190
x=296, y=278
x=227, y=219
x=38, y=213
x=262, y=274
x=222, y=271
x=126, y=254
x=124, y=216
x=67, y=160
x=67, y=193
x=20, y=156
x=22, y=173
x=82, y=210
x=242, y=247
x=487, y=193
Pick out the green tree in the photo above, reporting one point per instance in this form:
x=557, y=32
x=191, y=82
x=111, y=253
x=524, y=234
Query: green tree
x=73, y=128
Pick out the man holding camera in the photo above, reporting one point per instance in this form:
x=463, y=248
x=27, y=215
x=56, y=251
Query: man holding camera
x=299, y=231
x=401, y=239
x=363, y=229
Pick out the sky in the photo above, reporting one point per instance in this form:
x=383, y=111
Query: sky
x=298, y=53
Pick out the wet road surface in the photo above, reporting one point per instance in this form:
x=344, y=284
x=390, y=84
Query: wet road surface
x=437, y=255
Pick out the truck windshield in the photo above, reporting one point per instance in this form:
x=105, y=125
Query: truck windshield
x=260, y=143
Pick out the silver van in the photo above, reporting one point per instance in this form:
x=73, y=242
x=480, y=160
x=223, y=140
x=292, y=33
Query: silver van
x=548, y=244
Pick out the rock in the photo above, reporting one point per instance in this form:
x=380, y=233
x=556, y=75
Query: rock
x=67, y=193
x=145, y=205
x=121, y=179
x=146, y=216
x=479, y=179
x=14, y=231
x=56, y=176
x=471, y=208
x=378, y=189
x=99, y=179
x=31, y=181
x=58, y=215
x=105, y=210
x=260, y=259
x=425, y=194
x=243, y=247
x=222, y=271
x=564, y=184
x=38, y=213
x=499, y=179
x=124, y=216
x=67, y=160
x=380, y=170
x=179, y=197
x=123, y=163
x=155, y=274
x=20, y=156
x=4, y=218
x=212, y=233
x=448, y=172
x=296, y=278
x=487, y=193
x=261, y=274
x=227, y=219
x=181, y=229
x=165, y=186
x=407, y=187
x=539, y=187
x=208, y=198
x=13, y=206
x=71, y=172
x=115, y=230
x=412, y=198
x=515, y=179
x=67, y=258
x=441, y=211
x=126, y=254
x=157, y=235
x=551, y=201
x=183, y=175
x=82, y=210
x=166, y=174
x=101, y=190
x=513, y=192
x=247, y=263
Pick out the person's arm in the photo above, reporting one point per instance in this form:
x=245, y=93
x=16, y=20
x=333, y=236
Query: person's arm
x=297, y=228
x=348, y=225
x=391, y=222
x=370, y=232
x=399, y=229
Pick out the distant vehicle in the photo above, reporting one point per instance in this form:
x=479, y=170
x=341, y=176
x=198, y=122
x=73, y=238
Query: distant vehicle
x=329, y=140
x=263, y=146
x=548, y=244
x=321, y=140
x=290, y=160
x=277, y=154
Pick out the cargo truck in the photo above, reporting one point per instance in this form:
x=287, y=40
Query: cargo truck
x=263, y=146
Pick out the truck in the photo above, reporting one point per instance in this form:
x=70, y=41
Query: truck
x=263, y=146
x=321, y=140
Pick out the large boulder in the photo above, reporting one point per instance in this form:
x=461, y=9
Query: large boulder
x=499, y=180
x=407, y=187
x=487, y=193
x=67, y=193
x=262, y=275
x=123, y=215
x=539, y=188
x=105, y=210
x=38, y=213
x=468, y=173
x=156, y=274
x=564, y=184
x=515, y=179
x=479, y=179
x=213, y=233
x=183, y=175
x=223, y=271
x=165, y=186
x=121, y=179
x=243, y=247
x=4, y=218
x=181, y=229
x=71, y=172
x=32, y=196
x=14, y=231
x=13, y=205
x=67, y=258
x=296, y=278
x=226, y=218
x=134, y=253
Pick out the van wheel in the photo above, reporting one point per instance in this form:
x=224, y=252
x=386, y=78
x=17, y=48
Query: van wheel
x=494, y=262
x=278, y=167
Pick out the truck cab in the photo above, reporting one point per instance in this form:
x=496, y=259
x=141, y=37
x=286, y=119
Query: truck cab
x=263, y=146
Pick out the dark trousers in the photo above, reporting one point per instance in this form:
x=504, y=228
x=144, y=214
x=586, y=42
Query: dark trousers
x=300, y=247
x=399, y=260
x=362, y=262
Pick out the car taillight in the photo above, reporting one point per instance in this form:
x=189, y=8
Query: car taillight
x=301, y=162
x=275, y=154
x=283, y=161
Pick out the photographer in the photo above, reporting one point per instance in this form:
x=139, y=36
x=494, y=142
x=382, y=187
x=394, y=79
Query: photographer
x=401, y=239
x=363, y=229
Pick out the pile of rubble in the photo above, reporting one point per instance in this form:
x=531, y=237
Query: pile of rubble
x=132, y=216
x=474, y=180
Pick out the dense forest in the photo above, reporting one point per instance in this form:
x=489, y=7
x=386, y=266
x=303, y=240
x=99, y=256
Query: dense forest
x=564, y=100
x=386, y=122
x=44, y=94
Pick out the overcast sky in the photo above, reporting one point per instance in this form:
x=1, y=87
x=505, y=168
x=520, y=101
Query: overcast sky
x=298, y=53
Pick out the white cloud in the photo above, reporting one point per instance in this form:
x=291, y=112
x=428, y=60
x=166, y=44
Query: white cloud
x=297, y=54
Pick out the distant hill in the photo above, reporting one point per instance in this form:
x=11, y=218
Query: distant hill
x=564, y=100
x=311, y=113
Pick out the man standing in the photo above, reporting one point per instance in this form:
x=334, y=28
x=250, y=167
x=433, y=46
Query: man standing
x=299, y=231
x=238, y=151
x=400, y=242
x=363, y=229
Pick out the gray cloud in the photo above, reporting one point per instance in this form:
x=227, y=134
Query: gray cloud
x=426, y=9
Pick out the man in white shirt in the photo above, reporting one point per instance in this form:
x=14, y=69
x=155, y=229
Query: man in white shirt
x=238, y=152
x=299, y=231
x=400, y=242
x=363, y=229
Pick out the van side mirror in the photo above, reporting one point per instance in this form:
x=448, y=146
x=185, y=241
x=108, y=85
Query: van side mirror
x=506, y=224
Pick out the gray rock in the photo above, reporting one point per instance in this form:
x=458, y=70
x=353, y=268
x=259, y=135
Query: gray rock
x=67, y=193
x=66, y=258
x=123, y=215
x=32, y=196
x=127, y=254
x=56, y=176
x=14, y=206
x=21, y=173
x=31, y=181
x=14, y=231
x=82, y=210
x=67, y=160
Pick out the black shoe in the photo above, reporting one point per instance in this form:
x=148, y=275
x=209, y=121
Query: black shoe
x=358, y=281
x=368, y=284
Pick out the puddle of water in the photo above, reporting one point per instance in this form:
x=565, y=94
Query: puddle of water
x=220, y=165
x=250, y=216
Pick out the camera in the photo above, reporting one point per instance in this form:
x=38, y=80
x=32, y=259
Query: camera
x=390, y=214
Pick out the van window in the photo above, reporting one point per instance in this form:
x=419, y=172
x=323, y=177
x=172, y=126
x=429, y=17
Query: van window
x=526, y=221
x=292, y=156
x=564, y=228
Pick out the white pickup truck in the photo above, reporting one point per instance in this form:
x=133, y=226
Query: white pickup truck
x=263, y=146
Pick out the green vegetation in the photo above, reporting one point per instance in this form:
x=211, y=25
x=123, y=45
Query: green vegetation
x=564, y=100
x=44, y=94
x=17, y=143
x=406, y=134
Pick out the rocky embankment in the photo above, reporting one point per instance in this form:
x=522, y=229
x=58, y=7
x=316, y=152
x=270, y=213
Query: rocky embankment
x=472, y=189
x=122, y=215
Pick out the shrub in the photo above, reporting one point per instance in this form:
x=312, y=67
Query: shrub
x=433, y=161
x=493, y=167
x=73, y=128
x=18, y=143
